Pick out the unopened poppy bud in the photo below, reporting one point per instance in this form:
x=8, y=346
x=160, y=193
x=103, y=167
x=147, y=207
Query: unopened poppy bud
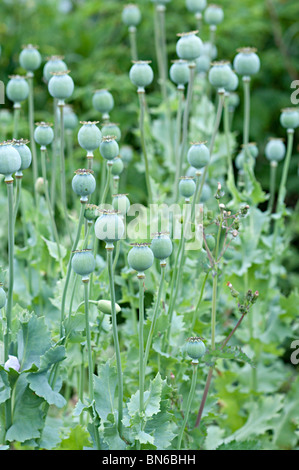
x=12, y=363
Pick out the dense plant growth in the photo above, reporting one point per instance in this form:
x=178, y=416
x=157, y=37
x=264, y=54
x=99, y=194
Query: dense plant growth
x=149, y=282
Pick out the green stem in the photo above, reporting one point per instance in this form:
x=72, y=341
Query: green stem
x=133, y=309
x=141, y=345
x=185, y=123
x=106, y=189
x=81, y=381
x=176, y=276
x=213, y=318
x=133, y=43
x=54, y=152
x=159, y=52
x=189, y=402
x=116, y=256
x=195, y=196
x=9, y=304
x=62, y=170
x=230, y=172
x=210, y=375
x=273, y=170
x=89, y=355
x=213, y=139
x=283, y=181
x=31, y=129
x=246, y=128
x=115, y=339
x=11, y=239
x=141, y=93
x=282, y=186
x=50, y=209
x=88, y=340
x=69, y=267
x=178, y=135
x=17, y=109
x=161, y=9
x=246, y=123
x=212, y=35
x=155, y=316
x=199, y=300
x=19, y=178
x=215, y=279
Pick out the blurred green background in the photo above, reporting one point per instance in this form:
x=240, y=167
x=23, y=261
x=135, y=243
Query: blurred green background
x=95, y=43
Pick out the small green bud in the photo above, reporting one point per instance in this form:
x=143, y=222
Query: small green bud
x=195, y=348
x=105, y=306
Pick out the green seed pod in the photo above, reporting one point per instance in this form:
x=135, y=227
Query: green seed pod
x=43, y=134
x=126, y=153
x=2, y=297
x=103, y=102
x=40, y=186
x=121, y=203
x=110, y=128
x=196, y=6
x=247, y=62
x=70, y=119
x=17, y=89
x=30, y=58
x=203, y=64
x=117, y=166
x=208, y=49
x=109, y=148
x=89, y=136
x=220, y=75
x=91, y=212
x=233, y=83
x=206, y=193
x=188, y=46
x=213, y=15
x=161, y=246
x=131, y=15
x=53, y=64
x=141, y=74
x=233, y=101
x=83, y=183
x=289, y=118
x=83, y=263
x=24, y=152
x=187, y=187
x=61, y=85
x=253, y=149
x=275, y=150
x=105, y=307
x=109, y=227
x=240, y=158
x=210, y=242
x=140, y=257
x=179, y=72
x=10, y=160
x=195, y=348
x=198, y=155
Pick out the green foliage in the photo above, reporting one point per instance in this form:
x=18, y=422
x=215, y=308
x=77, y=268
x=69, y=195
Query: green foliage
x=252, y=402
